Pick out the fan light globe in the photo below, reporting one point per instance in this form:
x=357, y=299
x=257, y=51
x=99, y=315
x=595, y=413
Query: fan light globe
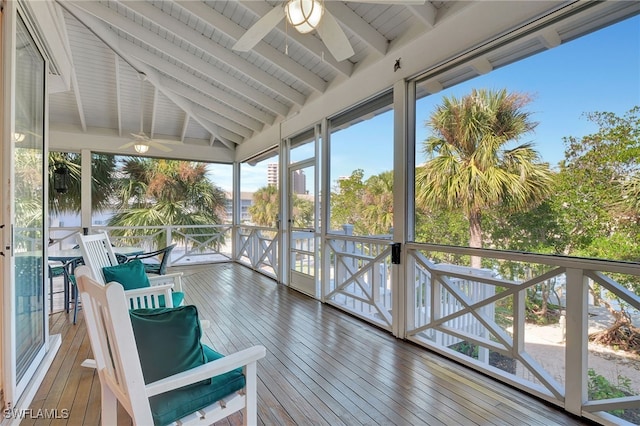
x=19, y=137
x=141, y=148
x=304, y=15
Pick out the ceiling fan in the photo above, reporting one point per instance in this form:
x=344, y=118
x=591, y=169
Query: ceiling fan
x=141, y=142
x=305, y=16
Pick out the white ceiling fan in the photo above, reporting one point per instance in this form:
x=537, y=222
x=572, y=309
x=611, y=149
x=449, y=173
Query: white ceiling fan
x=141, y=142
x=305, y=16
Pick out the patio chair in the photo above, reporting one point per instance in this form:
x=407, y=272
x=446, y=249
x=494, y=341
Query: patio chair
x=99, y=256
x=160, y=257
x=187, y=383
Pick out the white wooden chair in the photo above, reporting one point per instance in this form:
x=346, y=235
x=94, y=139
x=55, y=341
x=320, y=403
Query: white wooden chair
x=97, y=253
x=121, y=374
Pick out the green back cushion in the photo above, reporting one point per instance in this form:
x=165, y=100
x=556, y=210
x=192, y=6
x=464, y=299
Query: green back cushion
x=168, y=340
x=171, y=406
x=131, y=275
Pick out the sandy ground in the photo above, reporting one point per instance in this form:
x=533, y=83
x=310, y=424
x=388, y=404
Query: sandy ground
x=545, y=344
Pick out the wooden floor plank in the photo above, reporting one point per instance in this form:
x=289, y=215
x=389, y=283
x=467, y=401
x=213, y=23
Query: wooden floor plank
x=323, y=367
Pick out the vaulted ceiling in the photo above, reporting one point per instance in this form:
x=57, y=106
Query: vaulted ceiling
x=214, y=103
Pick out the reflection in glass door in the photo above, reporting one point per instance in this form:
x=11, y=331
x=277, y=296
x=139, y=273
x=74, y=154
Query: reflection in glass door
x=28, y=201
x=302, y=225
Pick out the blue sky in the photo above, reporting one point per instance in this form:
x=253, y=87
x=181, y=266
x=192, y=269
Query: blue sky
x=597, y=72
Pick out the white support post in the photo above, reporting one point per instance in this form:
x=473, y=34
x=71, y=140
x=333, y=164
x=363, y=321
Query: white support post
x=235, y=211
x=85, y=189
x=576, y=346
x=403, y=190
x=325, y=219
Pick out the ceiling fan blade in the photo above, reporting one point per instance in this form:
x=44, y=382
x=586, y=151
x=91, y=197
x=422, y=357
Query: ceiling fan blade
x=334, y=37
x=159, y=146
x=139, y=136
x=167, y=141
x=260, y=29
x=127, y=145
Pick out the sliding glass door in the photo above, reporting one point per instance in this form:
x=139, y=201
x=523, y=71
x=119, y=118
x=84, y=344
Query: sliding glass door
x=28, y=201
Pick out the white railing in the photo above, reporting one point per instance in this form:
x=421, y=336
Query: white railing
x=257, y=247
x=195, y=243
x=479, y=318
x=303, y=252
x=359, y=279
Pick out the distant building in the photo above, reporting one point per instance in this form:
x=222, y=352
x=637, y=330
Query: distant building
x=299, y=183
x=246, y=200
x=272, y=174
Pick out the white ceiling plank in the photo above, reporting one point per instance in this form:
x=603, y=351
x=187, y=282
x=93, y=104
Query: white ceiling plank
x=201, y=85
x=358, y=26
x=114, y=42
x=118, y=97
x=109, y=17
x=222, y=122
x=208, y=103
x=235, y=31
x=214, y=49
x=310, y=43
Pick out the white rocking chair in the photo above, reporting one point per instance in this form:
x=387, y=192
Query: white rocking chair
x=98, y=252
x=113, y=343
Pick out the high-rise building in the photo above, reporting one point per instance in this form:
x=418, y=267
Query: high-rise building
x=272, y=174
x=299, y=183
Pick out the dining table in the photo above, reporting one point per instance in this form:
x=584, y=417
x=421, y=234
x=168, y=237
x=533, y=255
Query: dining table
x=72, y=256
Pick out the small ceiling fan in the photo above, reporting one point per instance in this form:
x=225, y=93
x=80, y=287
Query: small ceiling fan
x=141, y=142
x=305, y=16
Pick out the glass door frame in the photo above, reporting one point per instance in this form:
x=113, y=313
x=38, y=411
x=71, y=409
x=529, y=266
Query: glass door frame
x=13, y=387
x=309, y=284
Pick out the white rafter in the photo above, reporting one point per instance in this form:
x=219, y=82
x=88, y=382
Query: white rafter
x=112, y=18
x=235, y=31
x=116, y=64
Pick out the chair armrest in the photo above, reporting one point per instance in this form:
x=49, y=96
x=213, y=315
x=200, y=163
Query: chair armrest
x=210, y=369
x=175, y=278
x=142, y=297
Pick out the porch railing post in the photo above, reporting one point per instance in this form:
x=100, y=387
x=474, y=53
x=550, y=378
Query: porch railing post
x=577, y=338
x=168, y=241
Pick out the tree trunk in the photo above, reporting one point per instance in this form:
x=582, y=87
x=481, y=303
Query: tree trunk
x=475, y=236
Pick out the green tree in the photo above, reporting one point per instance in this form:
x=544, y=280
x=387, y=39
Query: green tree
x=152, y=192
x=377, y=199
x=597, y=206
x=103, y=169
x=597, y=195
x=470, y=166
x=265, y=206
x=346, y=202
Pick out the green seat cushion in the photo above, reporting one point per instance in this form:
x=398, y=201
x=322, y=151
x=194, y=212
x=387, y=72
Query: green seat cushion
x=168, y=340
x=131, y=275
x=171, y=406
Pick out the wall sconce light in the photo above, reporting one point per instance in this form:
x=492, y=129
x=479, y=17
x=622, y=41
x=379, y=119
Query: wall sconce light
x=61, y=179
x=141, y=148
x=304, y=15
x=19, y=137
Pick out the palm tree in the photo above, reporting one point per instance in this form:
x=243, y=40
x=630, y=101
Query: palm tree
x=470, y=166
x=102, y=175
x=265, y=206
x=156, y=193
x=378, y=203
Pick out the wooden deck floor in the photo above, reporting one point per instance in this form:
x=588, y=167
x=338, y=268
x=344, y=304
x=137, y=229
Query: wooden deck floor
x=322, y=367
